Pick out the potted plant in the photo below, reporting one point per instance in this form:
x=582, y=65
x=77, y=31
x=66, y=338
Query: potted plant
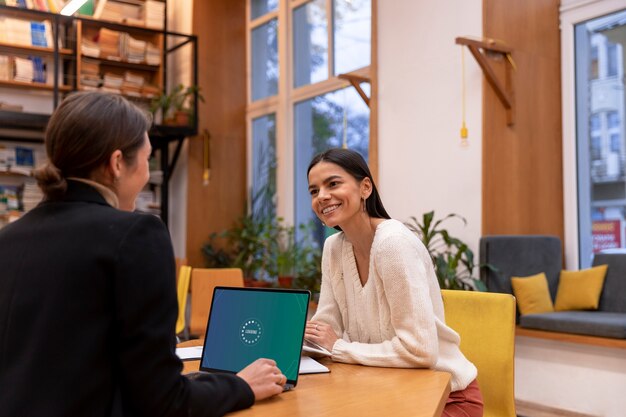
x=177, y=107
x=453, y=259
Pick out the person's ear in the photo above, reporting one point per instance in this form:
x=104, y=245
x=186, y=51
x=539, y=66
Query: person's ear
x=115, y=164
x=366, y=188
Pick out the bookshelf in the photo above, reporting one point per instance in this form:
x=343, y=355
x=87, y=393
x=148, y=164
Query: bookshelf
x=122, y=48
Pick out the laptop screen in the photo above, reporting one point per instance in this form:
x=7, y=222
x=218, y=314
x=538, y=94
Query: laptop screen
x=246, y=324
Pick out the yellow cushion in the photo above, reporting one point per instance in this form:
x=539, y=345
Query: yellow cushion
x=532, y=294
x=580, y=290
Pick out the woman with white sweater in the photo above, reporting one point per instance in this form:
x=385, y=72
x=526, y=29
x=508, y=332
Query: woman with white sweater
x=380, y=302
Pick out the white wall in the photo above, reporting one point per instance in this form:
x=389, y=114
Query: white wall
x=422, y=164
x=568, y=376
x=179, y=20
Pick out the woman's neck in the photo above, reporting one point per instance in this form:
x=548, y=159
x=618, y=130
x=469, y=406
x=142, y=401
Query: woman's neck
x=360, y=234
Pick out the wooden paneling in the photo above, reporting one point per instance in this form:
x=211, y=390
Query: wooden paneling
x=221, y=30
x=373, y=146
x=522, y=163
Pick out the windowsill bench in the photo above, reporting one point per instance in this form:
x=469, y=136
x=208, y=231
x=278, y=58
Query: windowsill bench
x=571, y=338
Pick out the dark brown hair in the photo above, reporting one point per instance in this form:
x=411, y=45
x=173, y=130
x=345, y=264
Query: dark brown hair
x=82, y=134
x=354, y=164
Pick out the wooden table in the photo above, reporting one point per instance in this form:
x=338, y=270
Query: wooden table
x=354, y=390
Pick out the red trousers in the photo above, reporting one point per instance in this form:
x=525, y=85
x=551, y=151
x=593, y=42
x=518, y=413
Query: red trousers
x=465, y=403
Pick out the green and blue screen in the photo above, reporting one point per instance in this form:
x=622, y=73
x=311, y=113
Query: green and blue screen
x=248, y=324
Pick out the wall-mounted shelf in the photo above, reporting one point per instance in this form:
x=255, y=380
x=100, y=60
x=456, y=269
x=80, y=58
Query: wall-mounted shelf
x=356, y=80
x=480, y=49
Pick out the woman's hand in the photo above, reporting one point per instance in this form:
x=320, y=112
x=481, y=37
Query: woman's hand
x=320, y=333
x=264, y=377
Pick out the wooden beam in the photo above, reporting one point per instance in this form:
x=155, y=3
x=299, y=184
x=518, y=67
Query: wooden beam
x=503, y=93
x=356, y=81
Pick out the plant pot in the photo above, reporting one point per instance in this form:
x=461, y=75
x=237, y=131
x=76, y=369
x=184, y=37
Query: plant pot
x=256, y=283
x=285, y=281
x=182, y=118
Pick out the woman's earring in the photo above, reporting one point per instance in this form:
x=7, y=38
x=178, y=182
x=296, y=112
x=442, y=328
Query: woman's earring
x=363, y=198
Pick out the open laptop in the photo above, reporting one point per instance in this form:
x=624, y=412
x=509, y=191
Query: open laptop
x=246, y=324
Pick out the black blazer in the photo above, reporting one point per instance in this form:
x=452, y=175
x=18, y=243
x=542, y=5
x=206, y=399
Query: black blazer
x=87, y=317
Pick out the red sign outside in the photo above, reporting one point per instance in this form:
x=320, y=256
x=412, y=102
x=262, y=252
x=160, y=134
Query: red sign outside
x=606, y=234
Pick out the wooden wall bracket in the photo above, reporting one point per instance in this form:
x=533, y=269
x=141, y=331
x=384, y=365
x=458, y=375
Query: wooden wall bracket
x=478, y=48
x=356, y=81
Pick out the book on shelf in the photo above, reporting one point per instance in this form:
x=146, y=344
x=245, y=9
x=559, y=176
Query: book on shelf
x=38, y=34
x=5, y=68
x=10, y=107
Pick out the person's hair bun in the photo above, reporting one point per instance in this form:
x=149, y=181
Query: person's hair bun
x=50, y=180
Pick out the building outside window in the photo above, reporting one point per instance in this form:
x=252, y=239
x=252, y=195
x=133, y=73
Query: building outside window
x=600, y=104
x=297, y=104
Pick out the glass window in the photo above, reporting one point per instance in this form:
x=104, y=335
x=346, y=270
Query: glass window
x=616, y=143
x=263, y=164
x=265, y=60
x=599, y=110
x=260, y=7
x=352, y=22
x=595, y=66
x=310, y=43
x=611, y=58
x=612, y=118
x=327, y=121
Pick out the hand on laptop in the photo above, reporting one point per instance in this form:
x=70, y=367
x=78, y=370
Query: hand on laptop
x=320, y=333
x=264, y=377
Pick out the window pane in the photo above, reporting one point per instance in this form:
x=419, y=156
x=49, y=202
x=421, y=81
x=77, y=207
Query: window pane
x=310, y=43
x=352, y=20
x=320, y=123
x=265, y=60
x=600, y=137
x=263, y=164
x=260, y=7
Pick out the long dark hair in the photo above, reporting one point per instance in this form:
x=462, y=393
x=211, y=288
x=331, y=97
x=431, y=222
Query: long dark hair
x=354, y=164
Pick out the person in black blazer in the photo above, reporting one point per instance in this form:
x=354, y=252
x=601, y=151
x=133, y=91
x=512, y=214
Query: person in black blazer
x=87, y=287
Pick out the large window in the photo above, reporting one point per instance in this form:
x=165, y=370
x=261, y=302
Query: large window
x=297, y=103
x=600, y=105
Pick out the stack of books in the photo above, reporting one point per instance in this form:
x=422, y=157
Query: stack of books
x=120, y=12
x=23, y=70
x=153, y=54
x=90, y=48
x=150, y=91
x=90, y=77
x=112, y=83
x=109, y=41
x=132, y=84
x=25, y=32
x=153, y=14
x=6, y=72
x=31, y=195
x=131, y=49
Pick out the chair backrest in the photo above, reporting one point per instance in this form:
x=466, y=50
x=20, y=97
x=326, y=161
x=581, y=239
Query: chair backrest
x=179, y=262
x=612, y=298
x=521, y=256
x=203, y=281
x=182, y=289
x=486, y=324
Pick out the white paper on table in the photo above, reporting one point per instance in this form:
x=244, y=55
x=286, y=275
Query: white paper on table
x=307, y=365
x=311, y=366
x=189, y=353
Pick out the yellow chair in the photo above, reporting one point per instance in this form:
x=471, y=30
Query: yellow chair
x=203, y=281
x=184, y=275
x=179, y=262
x=486, y=324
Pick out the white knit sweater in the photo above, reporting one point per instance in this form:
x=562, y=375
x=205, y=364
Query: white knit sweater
x=396, y=319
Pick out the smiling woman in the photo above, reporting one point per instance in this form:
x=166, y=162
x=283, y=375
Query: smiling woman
x=380, y=301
